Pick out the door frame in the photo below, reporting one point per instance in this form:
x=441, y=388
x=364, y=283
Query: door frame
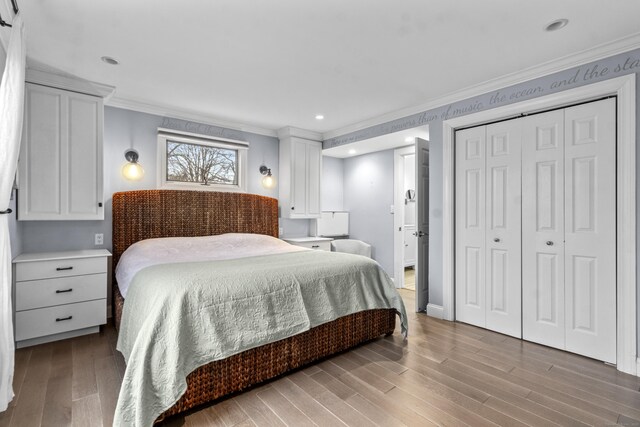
x=625, y=89
x=398, y=212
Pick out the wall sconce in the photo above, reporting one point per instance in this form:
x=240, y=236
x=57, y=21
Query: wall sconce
x=268, y=181
x=132, y=170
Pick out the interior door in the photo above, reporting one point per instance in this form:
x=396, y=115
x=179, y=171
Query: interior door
x=470, y=226
x=590, y=229
x=422, y=224
x=503, y=228
x=543, y=295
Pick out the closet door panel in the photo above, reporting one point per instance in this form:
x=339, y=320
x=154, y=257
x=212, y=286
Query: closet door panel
x=543, y=228
x=503, y=239
x=470, y=226
x=590, y=223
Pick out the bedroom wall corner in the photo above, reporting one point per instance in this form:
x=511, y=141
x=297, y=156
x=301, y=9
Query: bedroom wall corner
x=332, y=197
x=368, y=196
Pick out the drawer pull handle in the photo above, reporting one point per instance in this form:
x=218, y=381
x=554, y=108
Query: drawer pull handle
x=60, y=319
x=61, y=291
x=315, y=246
x=64, y=268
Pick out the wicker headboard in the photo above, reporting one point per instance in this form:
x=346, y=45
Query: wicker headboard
x=146, y=214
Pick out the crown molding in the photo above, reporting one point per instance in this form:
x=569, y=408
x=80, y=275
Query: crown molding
x=596, y=53
x=289, y=131
x=72, y=84
x=183, y=114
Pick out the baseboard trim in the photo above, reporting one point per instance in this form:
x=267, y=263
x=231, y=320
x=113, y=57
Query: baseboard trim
x=57, y=337
x=435, y=311
x=638, y=367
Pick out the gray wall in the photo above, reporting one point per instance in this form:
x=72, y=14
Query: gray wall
x=368, y=196
x=124, y=129
x=332, y=198
x=614, y=66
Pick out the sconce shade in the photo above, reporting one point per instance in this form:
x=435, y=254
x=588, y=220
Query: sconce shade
x=268, y=181
x=132, y=170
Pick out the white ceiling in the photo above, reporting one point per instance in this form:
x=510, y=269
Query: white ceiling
x=379, y=143
x=279, y=63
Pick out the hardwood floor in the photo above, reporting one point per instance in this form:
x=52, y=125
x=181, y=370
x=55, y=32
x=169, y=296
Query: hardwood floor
x=446, y=373
x=410, y=278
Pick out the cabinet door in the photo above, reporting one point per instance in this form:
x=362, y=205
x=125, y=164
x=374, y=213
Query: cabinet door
x=60, y=168
x=590, y=229
x=470, y=226
x=40, y=166
x=503, y=224
x=314, y=169
x=543, y=229
x=83, y=180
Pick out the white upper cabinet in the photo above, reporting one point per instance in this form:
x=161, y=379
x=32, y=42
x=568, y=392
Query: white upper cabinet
x=60, y=172
x=300, y=169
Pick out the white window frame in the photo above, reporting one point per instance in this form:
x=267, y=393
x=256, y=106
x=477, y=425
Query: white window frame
x=242, y=148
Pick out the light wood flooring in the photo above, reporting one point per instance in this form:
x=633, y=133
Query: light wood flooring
x=410, y=278
x=445, y=374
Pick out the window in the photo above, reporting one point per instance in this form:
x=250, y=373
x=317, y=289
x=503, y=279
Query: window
x=187, y=161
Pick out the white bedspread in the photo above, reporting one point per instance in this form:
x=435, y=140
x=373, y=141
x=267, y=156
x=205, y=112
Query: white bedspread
x=191, y=249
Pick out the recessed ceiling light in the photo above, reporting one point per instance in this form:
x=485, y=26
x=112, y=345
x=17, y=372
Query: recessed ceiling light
x=408, y=139
x=352, y=151
x=556, y=25
x=109, y=60
x=319, y=117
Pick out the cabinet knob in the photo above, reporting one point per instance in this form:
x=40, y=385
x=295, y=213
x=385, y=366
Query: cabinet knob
x=496, y=240
x=549, y=243
x=315, y=246
x=292, y=207
x=99, y=204
x=64, y=268
x=61, y=319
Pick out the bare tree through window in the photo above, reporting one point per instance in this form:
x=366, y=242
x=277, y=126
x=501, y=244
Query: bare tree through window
x=201, y=164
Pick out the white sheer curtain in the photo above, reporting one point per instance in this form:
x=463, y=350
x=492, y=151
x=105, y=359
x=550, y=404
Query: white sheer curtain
x=11, y=110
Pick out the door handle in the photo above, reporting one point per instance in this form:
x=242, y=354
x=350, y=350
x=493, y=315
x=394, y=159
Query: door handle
x=418, y=233
x=60, y=291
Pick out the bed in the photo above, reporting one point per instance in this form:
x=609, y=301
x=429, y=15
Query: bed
x=153, y=214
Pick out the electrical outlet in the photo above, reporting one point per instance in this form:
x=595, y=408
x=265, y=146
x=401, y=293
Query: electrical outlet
x=99, y=239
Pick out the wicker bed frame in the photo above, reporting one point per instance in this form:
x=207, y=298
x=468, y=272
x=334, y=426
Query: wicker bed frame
x=146, y=214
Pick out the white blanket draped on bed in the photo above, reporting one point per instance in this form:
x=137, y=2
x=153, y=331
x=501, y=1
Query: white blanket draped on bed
x=180, y=316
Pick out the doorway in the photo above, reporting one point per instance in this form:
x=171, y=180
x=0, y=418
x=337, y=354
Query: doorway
x=405, y=202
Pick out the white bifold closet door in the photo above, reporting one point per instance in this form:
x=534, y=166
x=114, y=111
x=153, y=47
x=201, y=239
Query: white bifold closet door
x=569, y=229
x=488, y=227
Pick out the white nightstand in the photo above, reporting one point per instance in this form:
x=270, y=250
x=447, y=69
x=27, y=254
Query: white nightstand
x=59, y=295
x=320, y=243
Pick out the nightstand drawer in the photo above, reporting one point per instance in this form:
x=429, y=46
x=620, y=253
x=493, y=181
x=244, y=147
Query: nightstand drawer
x=58, y=319
x=48, y=269
x=64, y=290
x=322, y=245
